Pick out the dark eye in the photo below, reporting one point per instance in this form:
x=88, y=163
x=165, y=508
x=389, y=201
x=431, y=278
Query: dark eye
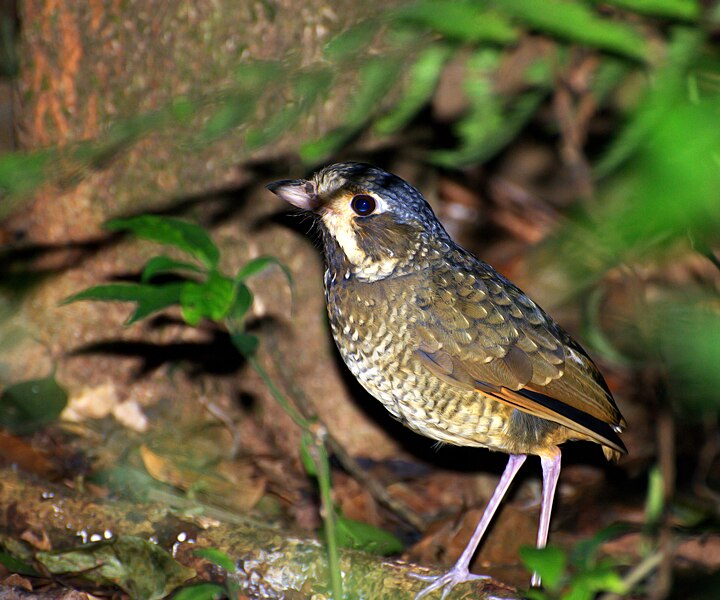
x=363, y=204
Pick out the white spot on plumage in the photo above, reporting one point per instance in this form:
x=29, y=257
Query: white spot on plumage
x=574, y=356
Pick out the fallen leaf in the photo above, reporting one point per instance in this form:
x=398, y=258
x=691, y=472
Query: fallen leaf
x=39, y=540
x=143, y=569
x=163, y=470
x=16, y=451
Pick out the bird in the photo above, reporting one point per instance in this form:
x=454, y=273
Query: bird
x=452, y=348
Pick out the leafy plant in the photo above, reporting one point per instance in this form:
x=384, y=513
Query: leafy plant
x=138, y=566
x=578, y=575
x=30, y=405
x=202, y=291
x=412, y=45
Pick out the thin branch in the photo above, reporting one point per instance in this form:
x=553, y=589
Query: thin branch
x=376, y=489
x=635, y=575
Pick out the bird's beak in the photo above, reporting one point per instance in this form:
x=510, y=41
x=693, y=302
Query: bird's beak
x=298, y=192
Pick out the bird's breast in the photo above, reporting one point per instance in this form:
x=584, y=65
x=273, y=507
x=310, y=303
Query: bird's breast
x=375, y=329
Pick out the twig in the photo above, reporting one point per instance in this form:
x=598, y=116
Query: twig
x=666, y=459
x=225, y=419
x=637, y=574
x=708, y=453
x=322, y=466
x=574, y=105
x=376, y=489
x=196, y=508
x=299, y=419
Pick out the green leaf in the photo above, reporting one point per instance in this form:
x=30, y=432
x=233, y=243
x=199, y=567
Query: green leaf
x=246, y=343
x=349, y=43
x=423, y=79
x=491, y=121
x=217, y=557
x=164, y=264
x=686, y=334
x=149, y=298
x=377, y=77
x=307, y=87
x=536, y=594
x=687, y=10
x=212, y=299
x=16, y=565
x=317, y=150
x=31, y=405
x=143, y=569
x=655, y=500
x=200, y=591
x=259, y=264
x=608, y=78
x=257, y=74
x=603, y=578
x=462, y=21
x=186, y=236
x=671, y=188
x=243, y=301
x=306, y=443
x=127, y=481
x=233, y=112
x=667, y=92
x=277, y=124
x=363, y=536
x=22, y=172
x=584, y=555
x=549, y=563
x=578, y=22
x=311, y=84
x=183, y=110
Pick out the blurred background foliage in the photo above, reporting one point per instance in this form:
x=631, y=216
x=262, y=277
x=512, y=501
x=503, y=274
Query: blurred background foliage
x=628, y=90
x=645, y=186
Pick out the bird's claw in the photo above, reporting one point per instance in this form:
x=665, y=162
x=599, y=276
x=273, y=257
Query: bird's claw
x=447, y=581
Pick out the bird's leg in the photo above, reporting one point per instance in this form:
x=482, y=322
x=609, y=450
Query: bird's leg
x=460, y=572
x=551, y=472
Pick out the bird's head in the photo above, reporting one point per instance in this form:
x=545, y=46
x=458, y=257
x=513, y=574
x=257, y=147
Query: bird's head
x=371, y=220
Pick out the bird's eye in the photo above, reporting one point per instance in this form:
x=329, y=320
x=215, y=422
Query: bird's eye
x=363, y=204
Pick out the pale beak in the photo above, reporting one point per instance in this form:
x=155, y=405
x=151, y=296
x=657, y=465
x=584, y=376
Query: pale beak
x=298, y=192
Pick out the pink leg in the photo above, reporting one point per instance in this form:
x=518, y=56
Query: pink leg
x=551, y=472
x=460, y=573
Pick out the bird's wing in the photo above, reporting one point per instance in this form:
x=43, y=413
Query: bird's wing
x=476, y=329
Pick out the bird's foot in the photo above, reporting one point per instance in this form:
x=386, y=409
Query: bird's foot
x=446, y=582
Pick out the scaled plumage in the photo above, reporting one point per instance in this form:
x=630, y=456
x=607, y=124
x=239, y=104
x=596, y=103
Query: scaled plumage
x=452, y=348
